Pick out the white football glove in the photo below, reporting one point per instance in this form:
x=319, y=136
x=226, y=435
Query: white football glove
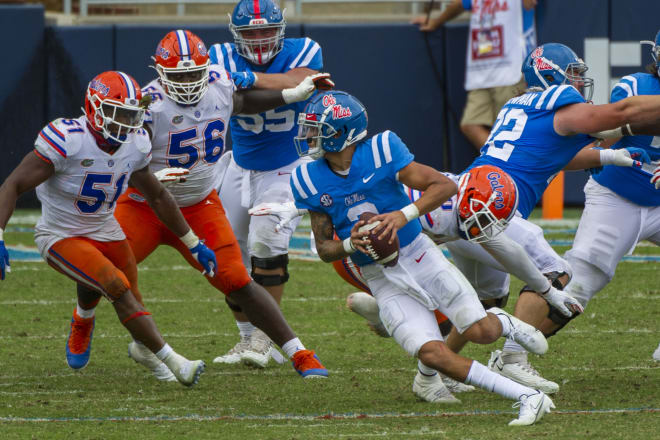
x=284, y=211
x=170, y=176
x=563, y=302
x=655, y=179
x=307, y=87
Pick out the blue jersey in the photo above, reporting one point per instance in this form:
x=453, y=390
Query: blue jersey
x=264, y=141
x=524, y=143
x=634, y=184
x=371, y=186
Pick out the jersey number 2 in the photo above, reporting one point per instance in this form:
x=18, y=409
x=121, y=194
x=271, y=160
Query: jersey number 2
x=509, y=126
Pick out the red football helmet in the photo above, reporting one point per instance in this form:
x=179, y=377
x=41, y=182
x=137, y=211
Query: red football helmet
x=112, y=105
x=182, y=63
x=487, y=201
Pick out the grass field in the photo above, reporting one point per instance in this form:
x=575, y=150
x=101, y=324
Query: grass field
x=610, y=386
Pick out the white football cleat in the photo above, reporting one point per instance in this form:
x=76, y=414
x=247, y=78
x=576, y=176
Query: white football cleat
x=366, y=306
x=455, y=386
x=233, y=356
x=189, y=371
x=532, y=409
x=518, y=369
x=258, y=352
x=432, y=389
x=142, y=355
x=524, y=334
x=656, y=354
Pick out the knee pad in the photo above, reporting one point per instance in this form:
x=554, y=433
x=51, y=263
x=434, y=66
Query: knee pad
x=556, y=316
x=496, y=302
x=233, y=306
x=279, y=261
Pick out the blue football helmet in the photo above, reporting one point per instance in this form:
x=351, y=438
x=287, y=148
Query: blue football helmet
x=556, y=64
x=331, y=121
x=258, y=30
x=655, y=51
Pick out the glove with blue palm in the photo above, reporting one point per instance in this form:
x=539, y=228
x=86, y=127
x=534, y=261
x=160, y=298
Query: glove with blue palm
x=204, y=256
x=244, y=80
x=4, y=258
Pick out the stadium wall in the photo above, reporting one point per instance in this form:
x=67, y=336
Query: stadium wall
x=411, y=83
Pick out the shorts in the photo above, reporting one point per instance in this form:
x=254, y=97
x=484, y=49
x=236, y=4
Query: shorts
x=483, y=105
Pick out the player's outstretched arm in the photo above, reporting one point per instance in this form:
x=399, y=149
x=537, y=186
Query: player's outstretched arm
x=590, y=157
x=330, y=249
x=279, y=81
x=437, y=189
x=252, y=101
x=165, y=207
x=641, y=113
x=28, y=175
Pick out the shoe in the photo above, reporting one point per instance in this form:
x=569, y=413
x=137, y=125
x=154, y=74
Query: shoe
x=455, y=386
x=189, y=371
x=366, y=306
x=257, y=354
x=308, y=365
x=142, y=355
x=233, y=356
x=79, y=343
x=656, y=354
x=524, y=334
x=518, y=369
x=532, y=408
x=432, y=389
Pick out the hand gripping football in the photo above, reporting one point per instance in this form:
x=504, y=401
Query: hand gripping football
x=379, y=249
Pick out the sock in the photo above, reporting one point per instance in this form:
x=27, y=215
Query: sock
x=164, y=352
x=482, y=377
x=506, y=324
x=511, y=345
x=290, y=348
x=245, y=329
x=426, y=371
x=85, y=314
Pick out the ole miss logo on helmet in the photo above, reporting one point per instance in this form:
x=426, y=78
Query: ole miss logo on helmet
x=538, y=52
x=329, y=100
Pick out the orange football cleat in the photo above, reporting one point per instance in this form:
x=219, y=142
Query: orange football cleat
x=308, y=365
x=79, y=344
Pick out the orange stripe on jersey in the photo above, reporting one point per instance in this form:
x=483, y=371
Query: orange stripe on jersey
x=42, y=157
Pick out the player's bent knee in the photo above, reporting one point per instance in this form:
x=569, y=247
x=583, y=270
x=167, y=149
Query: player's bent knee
x=115, y=288
x=559, y=319
x=434, y=354
x=484, y=331
x=270, y=263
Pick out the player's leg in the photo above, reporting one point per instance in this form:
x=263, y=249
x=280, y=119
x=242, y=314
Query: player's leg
x=651, y=232
x=208, y=219
x=94, y=265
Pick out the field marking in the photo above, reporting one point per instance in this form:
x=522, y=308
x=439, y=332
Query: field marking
x=316, y=417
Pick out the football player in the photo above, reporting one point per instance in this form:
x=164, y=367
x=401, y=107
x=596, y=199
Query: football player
x=80, y=167
x=187, y=122
x=622, y=205
x=354, y=174
x=263, y=154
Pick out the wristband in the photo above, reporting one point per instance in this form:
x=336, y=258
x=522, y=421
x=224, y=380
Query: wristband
x=624, y=130
x=410, y=212
x=1, y=233
x=190, y=239
x=254, y=83
x=348, y=246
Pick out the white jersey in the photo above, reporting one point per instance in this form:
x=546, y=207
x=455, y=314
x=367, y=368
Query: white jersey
x=79, y=199
x=191, y=137
x=441, y=224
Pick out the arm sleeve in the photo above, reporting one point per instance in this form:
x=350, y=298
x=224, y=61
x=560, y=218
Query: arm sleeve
x=516, y=261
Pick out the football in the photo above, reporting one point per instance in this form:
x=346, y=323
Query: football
x=379, y=249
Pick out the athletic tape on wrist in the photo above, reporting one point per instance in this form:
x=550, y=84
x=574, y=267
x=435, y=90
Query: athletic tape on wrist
x=190, y=239
x=348, y=246
x=411, y=211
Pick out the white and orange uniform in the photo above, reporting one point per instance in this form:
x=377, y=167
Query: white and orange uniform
x=77, y=233
x=191, y=137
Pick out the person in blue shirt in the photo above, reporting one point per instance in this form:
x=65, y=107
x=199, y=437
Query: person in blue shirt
x=263, y=154
x=622, y=206
x=353, y=174
x=547, y=129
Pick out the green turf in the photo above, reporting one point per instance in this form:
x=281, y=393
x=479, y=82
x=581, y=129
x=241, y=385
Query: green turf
x=602, y=362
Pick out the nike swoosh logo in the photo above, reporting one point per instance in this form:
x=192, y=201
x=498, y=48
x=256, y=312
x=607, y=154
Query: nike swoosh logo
x=279, y=173
x=366, y=179
x=417, y=260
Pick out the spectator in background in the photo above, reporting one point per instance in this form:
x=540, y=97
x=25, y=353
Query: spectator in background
x=502, y=33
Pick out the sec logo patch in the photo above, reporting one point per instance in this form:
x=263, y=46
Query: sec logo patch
x=326, y=200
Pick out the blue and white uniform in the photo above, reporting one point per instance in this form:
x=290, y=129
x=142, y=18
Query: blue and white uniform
x=622, y=206
x=524, y=143
x=422, y=280
x=263, y=152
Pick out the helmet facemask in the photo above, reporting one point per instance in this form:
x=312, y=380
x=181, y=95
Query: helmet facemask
x=311, y=134
x=116, y=119
x=575, y=76
x=259, y=41
x=655, y=52
x=479, y=224
x=185, y=84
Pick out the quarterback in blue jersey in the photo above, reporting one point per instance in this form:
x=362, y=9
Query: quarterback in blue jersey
x=353, y=174
x=263, y=154
x=622, y=205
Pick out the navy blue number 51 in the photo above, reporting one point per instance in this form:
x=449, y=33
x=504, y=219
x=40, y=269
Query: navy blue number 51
x=93, y=193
